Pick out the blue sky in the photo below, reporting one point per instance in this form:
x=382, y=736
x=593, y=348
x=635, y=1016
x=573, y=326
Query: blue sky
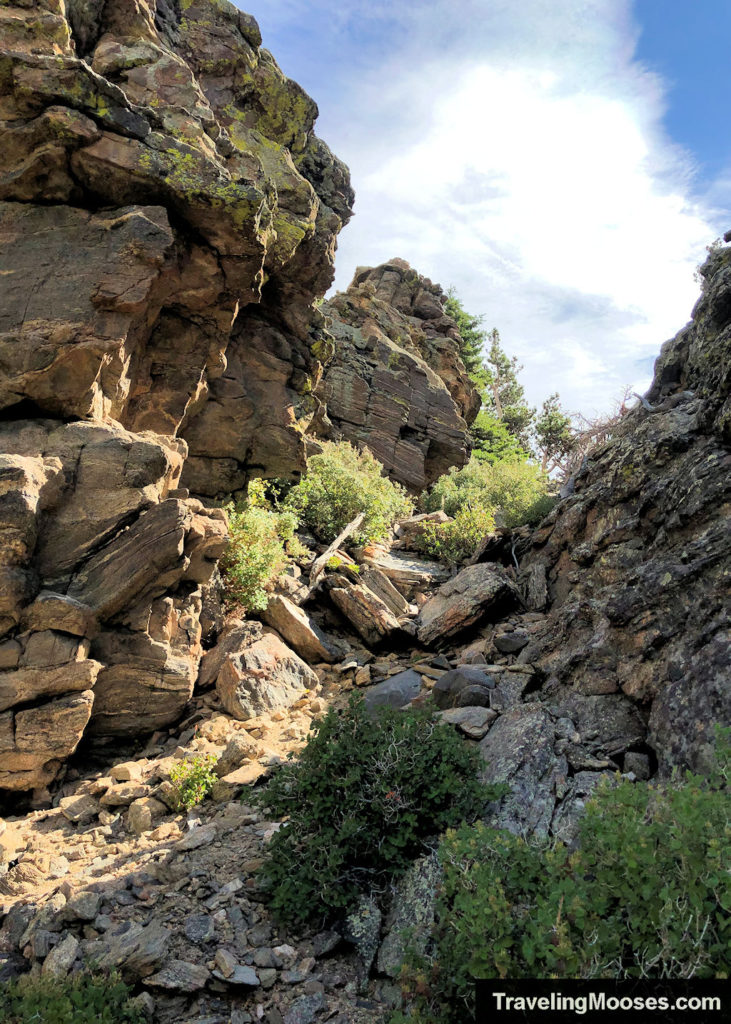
x=562, y=163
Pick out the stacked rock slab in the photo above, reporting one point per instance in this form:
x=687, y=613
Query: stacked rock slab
x=396, y=383
x=167, y=219
x=634, y=565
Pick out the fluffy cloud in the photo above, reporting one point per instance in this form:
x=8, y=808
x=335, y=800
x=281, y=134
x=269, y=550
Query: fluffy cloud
x=517, y=153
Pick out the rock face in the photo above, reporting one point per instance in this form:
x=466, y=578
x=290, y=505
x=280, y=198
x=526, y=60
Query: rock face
x=635, y=563
x=167, y=219
x=396, y=383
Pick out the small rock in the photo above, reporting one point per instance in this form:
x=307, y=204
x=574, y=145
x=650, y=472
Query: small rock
x=511, y=643
x=84, y=906
x=143, y=814
x=137, y=952
x=472, y=721
x=293, y=977
x=325, y=942
x=79, y=810
x=226, y=962
x=41, y=944
x=58, y=962
x=466, y=686
x=240, y=975
x=196, y=838
x=264, y=957
x=395, y=692
x=231, y=785
x=123, y=793
x=260, y=935
x=363, y=676
x=108, y=817
x=639, y=764
x=267, y=977
x=305, y=1009
x=58, y=867
x=127, y=771
x=180, y=976
x=240, y=748
x=199, y=928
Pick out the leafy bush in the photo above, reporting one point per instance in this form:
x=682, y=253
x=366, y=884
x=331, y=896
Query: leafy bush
x=645, y=894
x=367, y=790
x=516, y=492
x=193, y=780
x=342, y=482
x=257, y=551
x=79, y=999
x=458, y=539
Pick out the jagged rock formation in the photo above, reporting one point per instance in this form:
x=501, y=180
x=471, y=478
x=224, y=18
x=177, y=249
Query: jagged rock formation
x=396, y=383
x=167, y=219
x=634, y=565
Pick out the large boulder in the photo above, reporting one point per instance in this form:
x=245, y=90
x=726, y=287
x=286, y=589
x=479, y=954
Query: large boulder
x=365, y=611
x=299, y=630
x=395, y=692
x=263, y=677
x=478, y=591
x=518, y=752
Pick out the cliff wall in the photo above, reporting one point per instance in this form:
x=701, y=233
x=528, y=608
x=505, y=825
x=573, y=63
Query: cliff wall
x=634, y=565
x=167, y=220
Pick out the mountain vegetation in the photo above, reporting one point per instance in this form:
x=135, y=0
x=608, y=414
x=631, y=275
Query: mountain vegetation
x=334, y=676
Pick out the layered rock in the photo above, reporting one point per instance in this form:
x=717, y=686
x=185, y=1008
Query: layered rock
x=634, y=564
x=396, y=383
x=167, y=219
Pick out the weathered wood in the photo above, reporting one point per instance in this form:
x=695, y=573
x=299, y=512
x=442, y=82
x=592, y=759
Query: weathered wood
x=318, y=566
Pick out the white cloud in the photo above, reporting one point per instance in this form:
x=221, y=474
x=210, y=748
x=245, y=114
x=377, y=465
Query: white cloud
x=516, y=151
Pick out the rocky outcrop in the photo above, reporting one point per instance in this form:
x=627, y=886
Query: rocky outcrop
x=167, y=219
x=634, y=564
x=396, y=383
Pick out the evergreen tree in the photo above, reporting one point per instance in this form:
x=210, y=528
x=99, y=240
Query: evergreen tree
x=553, y=434
x=472, y=339
x=493, y=442
x=504, y=396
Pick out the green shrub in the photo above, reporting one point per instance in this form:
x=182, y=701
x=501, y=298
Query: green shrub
x=340, y=483
x=193, y=780
x=515, y=491
x=646, y=893
x=79, y=999
x=259, y=539
x=458, y=539
x=366, y=792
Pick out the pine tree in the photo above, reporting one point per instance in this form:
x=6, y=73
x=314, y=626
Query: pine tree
x=472, y=338
x=553, y=434
x=504, y=396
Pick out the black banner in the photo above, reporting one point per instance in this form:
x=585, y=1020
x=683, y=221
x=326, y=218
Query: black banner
x=604, y=1002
